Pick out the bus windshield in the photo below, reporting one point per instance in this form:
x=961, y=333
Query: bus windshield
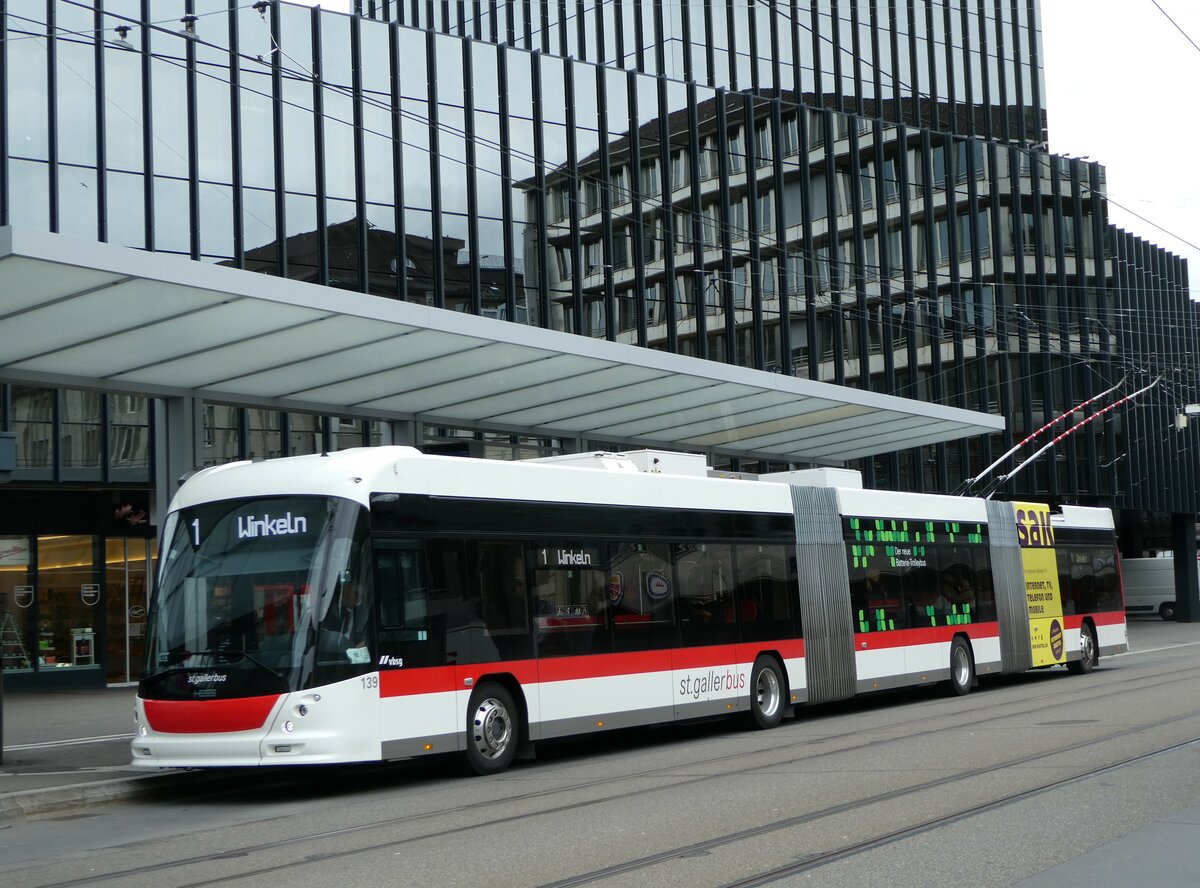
x=243, y=586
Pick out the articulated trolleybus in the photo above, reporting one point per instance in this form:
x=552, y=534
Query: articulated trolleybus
x=379, y=604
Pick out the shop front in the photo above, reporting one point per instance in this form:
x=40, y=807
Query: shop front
x=72, y=604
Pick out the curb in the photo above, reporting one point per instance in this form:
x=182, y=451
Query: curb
x=30, y=802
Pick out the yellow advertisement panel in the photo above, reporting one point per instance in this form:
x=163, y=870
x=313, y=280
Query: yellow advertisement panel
x=1036, y=537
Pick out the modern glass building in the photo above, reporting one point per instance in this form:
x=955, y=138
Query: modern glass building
x=854, y=193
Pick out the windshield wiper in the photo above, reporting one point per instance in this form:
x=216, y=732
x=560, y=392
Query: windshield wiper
x=249, y=656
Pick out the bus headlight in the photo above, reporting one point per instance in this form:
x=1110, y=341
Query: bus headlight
x=143, y=731
x=289, y=727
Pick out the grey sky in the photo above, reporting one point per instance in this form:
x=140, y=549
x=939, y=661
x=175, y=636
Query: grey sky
x=1121, y=89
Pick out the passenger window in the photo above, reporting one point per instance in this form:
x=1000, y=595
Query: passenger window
x=641, y=596
x=570, y=596
x=500, y=595
x=424, y=617
x=956, y=601
x=707, y=606
x=764, y=593
x=1108, y=591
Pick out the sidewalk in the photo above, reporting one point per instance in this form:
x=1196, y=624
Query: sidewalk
x=69, y=748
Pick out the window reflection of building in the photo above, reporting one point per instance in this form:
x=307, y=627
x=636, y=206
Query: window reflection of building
x=341, y=250
x=87, y=424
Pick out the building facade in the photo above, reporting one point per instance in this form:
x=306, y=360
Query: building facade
x=852, y=192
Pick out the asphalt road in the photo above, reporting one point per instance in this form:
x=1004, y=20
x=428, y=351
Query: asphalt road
x=1040, y=779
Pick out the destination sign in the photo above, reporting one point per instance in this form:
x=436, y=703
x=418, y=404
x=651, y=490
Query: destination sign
x=570, y=557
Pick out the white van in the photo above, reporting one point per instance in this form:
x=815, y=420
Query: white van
x=1149, y=586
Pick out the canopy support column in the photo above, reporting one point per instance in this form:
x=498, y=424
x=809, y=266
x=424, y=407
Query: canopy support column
x=178, y=436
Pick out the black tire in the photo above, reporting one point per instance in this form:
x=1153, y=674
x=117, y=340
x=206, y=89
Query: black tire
x=767, y=690
x=962, y=667
x=493, y=729
x=1089, y=651
x=1167, y=610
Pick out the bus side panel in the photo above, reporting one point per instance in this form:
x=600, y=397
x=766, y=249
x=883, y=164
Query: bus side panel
x=927, y=656
x=879, y=662
x=703, y=679
x=1112, y=634
x=418, y=708
x=583, y=705
x=581, y=694
x=985, y=643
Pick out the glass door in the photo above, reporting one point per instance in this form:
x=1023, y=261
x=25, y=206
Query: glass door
x=68, y=599
x=128, y=565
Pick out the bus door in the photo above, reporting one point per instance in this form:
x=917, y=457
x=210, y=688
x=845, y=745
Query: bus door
x=416, y=674
x=707, y=679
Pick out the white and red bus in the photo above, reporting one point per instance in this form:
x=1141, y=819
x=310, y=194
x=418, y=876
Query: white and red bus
x=379, y=604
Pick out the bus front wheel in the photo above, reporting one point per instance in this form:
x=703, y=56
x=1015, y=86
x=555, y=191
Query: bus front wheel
x=493, y=729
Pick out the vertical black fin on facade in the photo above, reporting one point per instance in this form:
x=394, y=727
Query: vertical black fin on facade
x=824, y=606
x=1008, y=578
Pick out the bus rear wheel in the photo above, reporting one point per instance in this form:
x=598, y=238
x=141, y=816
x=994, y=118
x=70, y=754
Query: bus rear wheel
x=1089, y=651
x=766, y=693
x=493, y=729
x=962, y=668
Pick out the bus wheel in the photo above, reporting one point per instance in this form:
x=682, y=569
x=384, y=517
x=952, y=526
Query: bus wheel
x=766, y=693
x=1167, y=610
x=1089, y=653
x=962, y=667
x=493, y=730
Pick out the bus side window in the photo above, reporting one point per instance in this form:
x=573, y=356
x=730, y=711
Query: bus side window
x=1108, y=593
x=643, y=615
x=763, y=593
x=501, y=600
x=420, y=608
x=707, y=609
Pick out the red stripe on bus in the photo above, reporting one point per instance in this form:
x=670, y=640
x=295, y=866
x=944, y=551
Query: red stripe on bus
x=209, y=716
x=440, y=679
x=1074, y=621
x=895, y=638
x=402, y=682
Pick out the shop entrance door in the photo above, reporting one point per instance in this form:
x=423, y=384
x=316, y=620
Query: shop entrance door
x=128, y=565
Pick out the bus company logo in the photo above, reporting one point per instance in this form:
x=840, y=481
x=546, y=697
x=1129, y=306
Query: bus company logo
x=711, y=682
x=1056, y=640
x=657, y=586
x=389, y=660
x=1033, y=528
x=250, y=527
x=206, y=678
